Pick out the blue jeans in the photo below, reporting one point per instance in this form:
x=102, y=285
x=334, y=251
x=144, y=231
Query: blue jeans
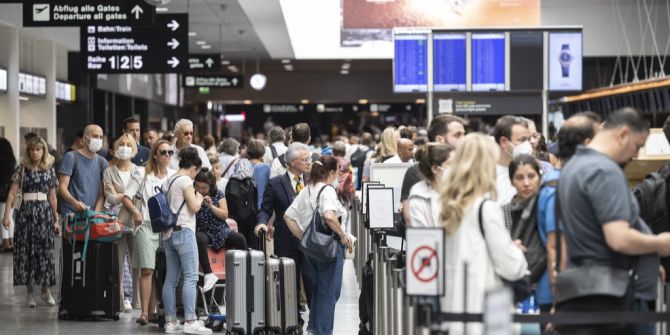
x=181, y=255
x=326, y=285
x=643, y=328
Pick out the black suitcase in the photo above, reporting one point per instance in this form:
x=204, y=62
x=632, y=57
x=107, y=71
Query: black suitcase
x=89, y=290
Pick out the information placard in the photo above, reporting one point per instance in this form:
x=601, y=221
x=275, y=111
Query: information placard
x=64, y=13
x=391, y=175
x=231, y=81
x=380, y=207
x=565, y=61
x=449, y=62
x=161, y=48
x=424, y=262
x=410, y=68
x=488, y=61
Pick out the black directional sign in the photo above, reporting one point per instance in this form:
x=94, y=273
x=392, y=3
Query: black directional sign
x=195, y=81
x=49, y=13
x=204, y=62
x=161, y=48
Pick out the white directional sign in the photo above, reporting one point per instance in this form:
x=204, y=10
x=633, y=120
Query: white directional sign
x=195, y=81
x=161, y=48
x=63, y=13
x=425, y=261
x=204, y=62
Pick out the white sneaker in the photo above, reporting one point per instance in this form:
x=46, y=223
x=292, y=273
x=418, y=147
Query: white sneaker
x=173, y=328
x=127, y=306
x=210, y=281
x=30, y=301
x=48, y=299
x=196, y=327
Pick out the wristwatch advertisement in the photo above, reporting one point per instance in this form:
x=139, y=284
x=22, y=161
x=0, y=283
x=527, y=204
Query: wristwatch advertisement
x=565, y=61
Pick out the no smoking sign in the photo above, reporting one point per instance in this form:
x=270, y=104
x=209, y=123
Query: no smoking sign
x=425, y=261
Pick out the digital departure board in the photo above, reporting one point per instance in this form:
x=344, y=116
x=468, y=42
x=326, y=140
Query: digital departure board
x=488, y=61
x=449, y=62
x=410, y=68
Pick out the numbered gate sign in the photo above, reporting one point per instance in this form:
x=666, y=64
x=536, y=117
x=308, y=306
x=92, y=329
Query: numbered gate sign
x=424, y=268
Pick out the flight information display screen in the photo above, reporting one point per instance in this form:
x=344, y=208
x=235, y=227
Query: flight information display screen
x=449, y=62
x=410, y=68
x=488, y=61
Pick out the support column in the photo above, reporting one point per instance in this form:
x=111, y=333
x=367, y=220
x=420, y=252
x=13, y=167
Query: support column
x=9, y=103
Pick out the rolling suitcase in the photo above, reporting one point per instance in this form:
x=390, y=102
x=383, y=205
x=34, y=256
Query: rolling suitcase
x=282, y=295
x=90, y=289
x=245, y=291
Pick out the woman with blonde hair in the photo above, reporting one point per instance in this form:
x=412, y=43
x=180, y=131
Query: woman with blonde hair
x=36, y=221
x=483, y=249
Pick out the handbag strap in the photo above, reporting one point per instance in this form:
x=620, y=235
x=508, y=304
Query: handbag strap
x=140, y=190
x=23, y=176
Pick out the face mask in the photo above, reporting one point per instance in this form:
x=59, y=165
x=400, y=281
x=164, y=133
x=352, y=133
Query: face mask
x=523, y=148
x=445, y=172
x=336, y=182
x=124, y=153
x=95, y=144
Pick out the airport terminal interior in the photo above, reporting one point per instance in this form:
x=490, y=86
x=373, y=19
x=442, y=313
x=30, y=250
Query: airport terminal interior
x=387, y=167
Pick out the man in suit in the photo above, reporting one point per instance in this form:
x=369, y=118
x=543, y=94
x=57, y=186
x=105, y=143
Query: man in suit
x=278, y=196
x=131, y=126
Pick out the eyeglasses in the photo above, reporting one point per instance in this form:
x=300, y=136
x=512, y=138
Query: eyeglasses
x=188, y=133
x=166, y=152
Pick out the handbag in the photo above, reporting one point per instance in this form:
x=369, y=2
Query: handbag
x=315, y=242
x=18, y=199
x=93, y=226
x=125, y=216
x=589, y=279
x=521, y=288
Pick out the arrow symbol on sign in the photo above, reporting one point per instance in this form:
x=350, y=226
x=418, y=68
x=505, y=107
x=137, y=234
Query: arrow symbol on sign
x=209, y=62
x=173, y=44
x=137, y=10
x=173, y=62
x=174, y=25
x=234, y=81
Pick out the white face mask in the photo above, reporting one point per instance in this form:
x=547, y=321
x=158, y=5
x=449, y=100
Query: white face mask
x=124, y=153
x=445, y=172
x=95, y=144
x=523, y=148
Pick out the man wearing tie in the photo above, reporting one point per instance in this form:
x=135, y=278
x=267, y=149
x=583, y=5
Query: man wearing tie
x=278, y=196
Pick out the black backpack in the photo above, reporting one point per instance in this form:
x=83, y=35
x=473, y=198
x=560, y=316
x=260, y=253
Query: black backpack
x=358, y=158
x=242, y=200
x=652, y=195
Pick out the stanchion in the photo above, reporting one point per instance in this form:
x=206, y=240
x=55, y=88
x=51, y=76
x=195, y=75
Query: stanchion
x=409, y=318
x=398, y=305
x=381, y=290
x=389, y=295
x=378, y=247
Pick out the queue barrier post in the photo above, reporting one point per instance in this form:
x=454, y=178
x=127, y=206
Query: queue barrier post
x=398, y=305
x=389, y=297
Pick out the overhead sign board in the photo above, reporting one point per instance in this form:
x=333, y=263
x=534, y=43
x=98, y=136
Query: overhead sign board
x=63, y=13
x=204, y=62
x=32, y=85
x=66, y=92
x=161, y=48
x=425, y=261
x=194, y=81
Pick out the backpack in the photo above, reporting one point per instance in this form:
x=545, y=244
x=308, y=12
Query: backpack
x=651, y=193
x=274, y=151
x=160, y=212
x=242, y=199
x=366, y=299
x=358, y=161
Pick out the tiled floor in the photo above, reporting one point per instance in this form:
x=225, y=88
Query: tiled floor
x=16, y=319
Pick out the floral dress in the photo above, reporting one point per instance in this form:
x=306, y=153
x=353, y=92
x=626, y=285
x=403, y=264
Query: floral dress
x=215, y=228
x=34, y=255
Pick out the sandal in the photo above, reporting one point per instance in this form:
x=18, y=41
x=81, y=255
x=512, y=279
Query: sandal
x=142, y=320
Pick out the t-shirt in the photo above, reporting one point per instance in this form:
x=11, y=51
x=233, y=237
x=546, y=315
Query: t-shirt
x=302, y=208
x=504, y=187
x=647, y=269
x=186, y=218
x=85, y=181
x=412, y=176
x=546, y=223
x=174, y=161
x=593, y=191
x=150, y=185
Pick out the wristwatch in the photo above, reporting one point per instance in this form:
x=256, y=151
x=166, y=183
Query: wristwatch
x=565, y=59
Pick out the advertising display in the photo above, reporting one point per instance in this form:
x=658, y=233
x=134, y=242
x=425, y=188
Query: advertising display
x=3, y=80
x=32, y=85
x=565, y=61
x=65, y=92
x=410, y=68
x=488, y=61
x=449, y=62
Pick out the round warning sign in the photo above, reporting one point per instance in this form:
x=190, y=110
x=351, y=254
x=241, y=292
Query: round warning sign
x=425, y=266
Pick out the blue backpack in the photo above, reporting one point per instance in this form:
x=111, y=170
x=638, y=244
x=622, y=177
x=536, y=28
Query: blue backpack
x=160, y=213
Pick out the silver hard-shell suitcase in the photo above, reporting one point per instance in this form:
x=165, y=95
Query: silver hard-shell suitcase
x=245, y=291
x=282, y=313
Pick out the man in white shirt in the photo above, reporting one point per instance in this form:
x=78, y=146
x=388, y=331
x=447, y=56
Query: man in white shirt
x=183, y=130
x=300, y=133
x=405, y=152
x=277, y=146
x=512, y=135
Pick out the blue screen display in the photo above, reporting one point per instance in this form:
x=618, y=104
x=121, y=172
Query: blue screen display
x=411, y=63
x=488, y=62
x=449, y=63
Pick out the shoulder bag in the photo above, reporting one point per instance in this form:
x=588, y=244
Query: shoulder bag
x=18, y=199
x=315, y=243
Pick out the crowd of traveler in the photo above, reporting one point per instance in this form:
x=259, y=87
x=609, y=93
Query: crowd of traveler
x=511, y=211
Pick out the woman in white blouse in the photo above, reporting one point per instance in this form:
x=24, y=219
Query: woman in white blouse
x=145, y=241
x=326, y=277
x=424, y=197
x=471, y=183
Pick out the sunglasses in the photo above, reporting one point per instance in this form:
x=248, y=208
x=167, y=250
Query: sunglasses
x=188, y=133
x=166, y=152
